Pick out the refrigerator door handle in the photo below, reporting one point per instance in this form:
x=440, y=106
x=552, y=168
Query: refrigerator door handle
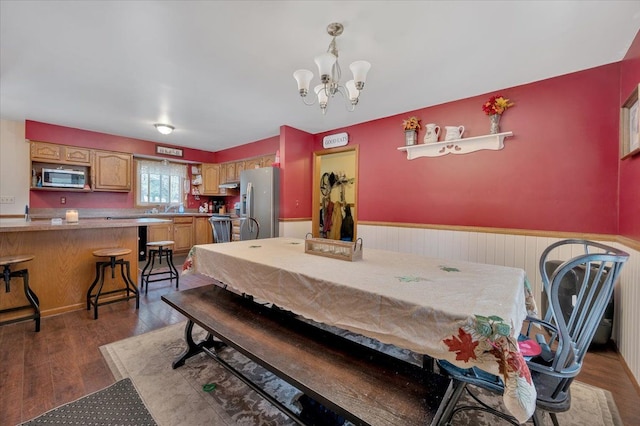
x=249, y=212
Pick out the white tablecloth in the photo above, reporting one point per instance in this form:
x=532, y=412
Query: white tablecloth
x=467, y=313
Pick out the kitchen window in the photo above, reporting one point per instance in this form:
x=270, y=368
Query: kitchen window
x=160, y=183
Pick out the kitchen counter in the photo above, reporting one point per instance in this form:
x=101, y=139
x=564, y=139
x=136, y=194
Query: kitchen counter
x=85, y=214
x=64, y=266
x=20, y=225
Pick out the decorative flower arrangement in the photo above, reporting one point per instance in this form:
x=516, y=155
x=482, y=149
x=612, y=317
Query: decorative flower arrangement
x=413, y=123
x=496, y=104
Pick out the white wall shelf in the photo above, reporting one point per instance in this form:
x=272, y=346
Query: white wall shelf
x=459, y=146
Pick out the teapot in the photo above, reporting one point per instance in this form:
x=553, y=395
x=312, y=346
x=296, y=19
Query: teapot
x=432, y=133
x=453, y=132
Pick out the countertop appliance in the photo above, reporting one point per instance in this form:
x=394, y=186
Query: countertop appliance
x=260, y=198
x=62, y=178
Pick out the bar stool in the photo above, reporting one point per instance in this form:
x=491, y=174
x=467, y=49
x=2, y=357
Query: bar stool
x=130, y=287
x=160, y=249
x=7, y=262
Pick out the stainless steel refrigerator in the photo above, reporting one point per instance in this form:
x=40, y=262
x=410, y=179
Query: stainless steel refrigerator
x=260, y=198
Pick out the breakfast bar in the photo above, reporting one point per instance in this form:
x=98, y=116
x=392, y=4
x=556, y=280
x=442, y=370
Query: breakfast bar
x=64, y=266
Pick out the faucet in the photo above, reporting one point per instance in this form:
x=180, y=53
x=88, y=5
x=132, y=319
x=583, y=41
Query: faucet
x=168, y=208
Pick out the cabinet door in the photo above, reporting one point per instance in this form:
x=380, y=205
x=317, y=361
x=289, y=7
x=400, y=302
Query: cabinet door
x=240, y=166
x=41, y=151
x=112, y=171
x=267, y=160
x=211, y=180
x=162, y=232
x=61, y=154
x=202, y=230
x=77, y=155
x=229, y=172
x=252, y=163
x=183, y=234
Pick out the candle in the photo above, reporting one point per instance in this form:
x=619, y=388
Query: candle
x=72, y=216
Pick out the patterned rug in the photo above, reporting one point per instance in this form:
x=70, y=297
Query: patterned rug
x=118, y=404
x=202, y=392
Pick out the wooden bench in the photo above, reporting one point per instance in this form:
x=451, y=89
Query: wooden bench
x=364, y=386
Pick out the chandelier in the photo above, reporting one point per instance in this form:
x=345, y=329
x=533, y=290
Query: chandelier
x=330, y=74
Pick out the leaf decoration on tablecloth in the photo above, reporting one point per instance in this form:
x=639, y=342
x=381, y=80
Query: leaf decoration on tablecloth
x=463, y=345
x=187, y=266
x=255, y=246
x=449, y=268
x=492, y=325
x=411, y=279
x=511, y=363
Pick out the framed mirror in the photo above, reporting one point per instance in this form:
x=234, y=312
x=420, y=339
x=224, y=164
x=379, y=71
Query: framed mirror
x=335, y=193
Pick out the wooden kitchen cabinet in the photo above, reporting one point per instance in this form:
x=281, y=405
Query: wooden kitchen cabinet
x=163, y=232
x=60, y=154
x=240, y=166
x=252, y=163
x=202, y=231
x=232, y=170
x=267, y=160
x=180, y=231
x=257, y=162
x=229, y=172
x=211, y=174
x=182, y=234
x=112, y=171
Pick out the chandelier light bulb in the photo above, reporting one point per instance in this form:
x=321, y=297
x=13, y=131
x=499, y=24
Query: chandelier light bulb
x=353, y=92
x=303, y=77
x=323, y=97
x=325, y=64
x=360, y=70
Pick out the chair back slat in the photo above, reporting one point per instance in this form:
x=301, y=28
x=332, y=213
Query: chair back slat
x=221, y=228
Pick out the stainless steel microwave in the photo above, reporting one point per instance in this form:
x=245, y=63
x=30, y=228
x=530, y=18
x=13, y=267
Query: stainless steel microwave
x=61, y=178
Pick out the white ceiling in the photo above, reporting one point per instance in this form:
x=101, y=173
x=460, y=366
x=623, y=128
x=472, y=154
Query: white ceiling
x=221, y=71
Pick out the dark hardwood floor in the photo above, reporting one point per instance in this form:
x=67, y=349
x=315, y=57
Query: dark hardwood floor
x=40, y=371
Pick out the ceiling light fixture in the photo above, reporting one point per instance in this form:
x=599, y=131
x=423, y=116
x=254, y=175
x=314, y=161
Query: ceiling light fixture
x=330, y=74
x=165, y=129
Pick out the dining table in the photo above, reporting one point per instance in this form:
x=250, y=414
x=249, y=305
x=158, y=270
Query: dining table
x=467, y=313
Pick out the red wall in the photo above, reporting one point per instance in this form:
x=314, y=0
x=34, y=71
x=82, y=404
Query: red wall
x=296, y=181
x=630, y=167
x=558, y=172
x=253, y=149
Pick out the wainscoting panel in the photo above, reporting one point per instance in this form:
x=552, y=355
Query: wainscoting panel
x=518, y=251
x=627, y=317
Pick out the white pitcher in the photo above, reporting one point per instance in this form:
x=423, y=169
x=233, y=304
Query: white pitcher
x=453, y=132
x=432, y=134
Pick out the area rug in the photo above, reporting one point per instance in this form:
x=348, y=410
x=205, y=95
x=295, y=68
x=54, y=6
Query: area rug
x=202, y=392
x=118, y=404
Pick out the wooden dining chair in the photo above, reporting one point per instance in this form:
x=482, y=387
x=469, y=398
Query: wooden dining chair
x=564, y=334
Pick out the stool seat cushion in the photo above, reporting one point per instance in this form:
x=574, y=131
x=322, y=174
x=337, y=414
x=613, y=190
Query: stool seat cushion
x=160, y=243
x=15, y=258
x=109, y=252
